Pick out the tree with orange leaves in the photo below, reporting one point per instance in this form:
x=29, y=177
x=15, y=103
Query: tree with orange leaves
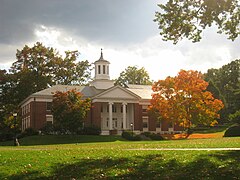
x=184, y=100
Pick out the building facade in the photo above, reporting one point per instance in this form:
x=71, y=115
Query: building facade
x=114, y=108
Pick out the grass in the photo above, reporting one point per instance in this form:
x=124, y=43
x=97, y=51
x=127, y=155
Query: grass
x=109, y=157
x=62, y=139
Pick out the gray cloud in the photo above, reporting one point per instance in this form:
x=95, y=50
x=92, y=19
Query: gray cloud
x=124, y=26
x=98, y=20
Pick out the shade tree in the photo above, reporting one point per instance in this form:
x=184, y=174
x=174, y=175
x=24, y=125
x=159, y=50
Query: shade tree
x=178, y=19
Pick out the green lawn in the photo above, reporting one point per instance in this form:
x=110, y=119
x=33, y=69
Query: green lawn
x=109, y=157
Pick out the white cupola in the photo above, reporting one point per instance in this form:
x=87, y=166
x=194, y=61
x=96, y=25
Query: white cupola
x=102, y=79
x=101, y=68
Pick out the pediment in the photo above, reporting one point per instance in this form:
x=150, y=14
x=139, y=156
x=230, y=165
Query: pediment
x=117, y=92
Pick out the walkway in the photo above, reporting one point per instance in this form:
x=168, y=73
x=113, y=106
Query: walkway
x=185, y=149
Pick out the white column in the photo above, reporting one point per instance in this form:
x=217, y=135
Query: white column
x=124, y=116
x=110, y=115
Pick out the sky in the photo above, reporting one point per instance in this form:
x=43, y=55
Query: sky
x=124, y=29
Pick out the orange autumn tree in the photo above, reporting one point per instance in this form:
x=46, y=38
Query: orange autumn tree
x=184, y=100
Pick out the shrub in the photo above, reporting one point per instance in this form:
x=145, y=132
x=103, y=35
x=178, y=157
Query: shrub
x=48, y=129
x=28, y=132
x=6, y=136
x=131, y=136
x=90, y=130
x=153, y=136
x=232, y=131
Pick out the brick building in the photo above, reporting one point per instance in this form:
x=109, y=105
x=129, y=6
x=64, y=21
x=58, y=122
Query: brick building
x=114, y=108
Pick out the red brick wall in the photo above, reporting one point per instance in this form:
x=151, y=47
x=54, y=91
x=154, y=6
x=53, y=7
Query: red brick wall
x=96, y=114
x=88, y=119
x=152, y=123
x=164, y=125
x=138, y=124
x=38, y=115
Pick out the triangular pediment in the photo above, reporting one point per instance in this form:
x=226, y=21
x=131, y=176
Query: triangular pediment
x=117, y=92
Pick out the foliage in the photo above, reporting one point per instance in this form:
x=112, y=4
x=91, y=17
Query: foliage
x=133, y=75
x=90, y=130
x=6, y=136
x=224, y=83
x=29, y=132
x=35, y=69
x=178, y=19
x=131, y=136
x=69, y=110
x=153, y=136
x=48, y=128
x=184, y=100
x=48, y=67
x=235, y=117
x=232, y=131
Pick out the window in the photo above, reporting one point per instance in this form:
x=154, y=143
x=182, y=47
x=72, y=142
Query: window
x=101, y=108
x=115, y=123
x=170, y=125
x=99, y=69
x=104, y=70
x=28, y=121
x=107, y=121
x=114, y=108
x=49, y=106
x=145, y=122
x=49, y=119
x=158, y=124
x=144, y=108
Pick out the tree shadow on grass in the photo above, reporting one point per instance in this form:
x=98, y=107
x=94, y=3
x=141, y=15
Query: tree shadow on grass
x=218, y=165
x=62, y=139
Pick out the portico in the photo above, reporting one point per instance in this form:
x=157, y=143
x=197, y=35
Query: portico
x=116, y=116
x=116, y=109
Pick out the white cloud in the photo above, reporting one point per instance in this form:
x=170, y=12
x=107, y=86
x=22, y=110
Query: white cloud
x=159, y=58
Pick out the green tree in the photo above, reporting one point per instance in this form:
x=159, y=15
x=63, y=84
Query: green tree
x=69, y=110
x=185, y=18
x=35, y=69
x=47, y=67
x=133, y=75
x=235, y=117
x=224, y=83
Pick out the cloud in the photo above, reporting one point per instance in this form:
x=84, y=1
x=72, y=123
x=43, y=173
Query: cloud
x=124, y=29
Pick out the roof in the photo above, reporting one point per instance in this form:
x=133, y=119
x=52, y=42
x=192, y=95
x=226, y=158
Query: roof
x=87, y=91
x=111, y=89
x=101, y=59
x=143, y=91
